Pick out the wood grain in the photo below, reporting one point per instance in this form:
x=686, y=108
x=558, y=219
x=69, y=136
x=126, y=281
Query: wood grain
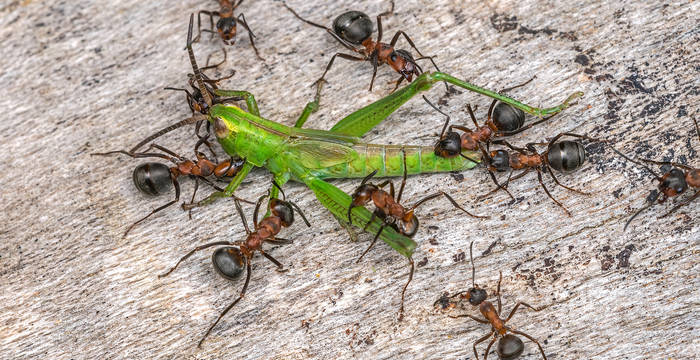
x=86, y=76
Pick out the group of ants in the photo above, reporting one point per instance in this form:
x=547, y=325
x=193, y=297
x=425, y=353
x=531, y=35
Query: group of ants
x=353, y=30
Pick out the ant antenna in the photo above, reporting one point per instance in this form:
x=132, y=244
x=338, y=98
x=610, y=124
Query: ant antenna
x=651, y=199
x=697, y=128
x=195, y=68
x=636, y=162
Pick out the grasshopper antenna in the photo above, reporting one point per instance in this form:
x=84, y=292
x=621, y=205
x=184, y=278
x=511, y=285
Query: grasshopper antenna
x=195, y=68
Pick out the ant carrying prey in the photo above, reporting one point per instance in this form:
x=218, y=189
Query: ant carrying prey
x=353, y=30
x=509, y=345
x=388, y=208
x=229, y=260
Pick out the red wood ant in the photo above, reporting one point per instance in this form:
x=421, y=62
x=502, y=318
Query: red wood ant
x=388, y=208
x=354, y=28
x=675, y=181
x=155, y=178
x=502, y=120
x=226, y=25
x=563, y=156
x=509, y=346
x=229, y=261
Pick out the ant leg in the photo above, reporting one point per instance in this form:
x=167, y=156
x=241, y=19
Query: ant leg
x=471, y=114
x=241, y=20
x=454, y=203
x=498, y=187
x=177, y=198
x=374, y=216
x=539, y=177
x=198, y=248
x=447, y=117
x=505, y=143
x=512, y=312
x=403, y=292
x=471, y=317
x=239, y=3
x=330, y=63
x=679, y=165
x=498, y=291
x=374, y=241
x=517, y=86
x=379, y=22
x=169, y=152
x=279, y=241
x=196, y=186
x=328, y=30
x=697, y=128
x=245, y=287
x=374, y=72
x=188, y=121
x=296, y=207
x=486, y=353
x=242, y=215
x=257, y=210
x=405, y=174
x=480, y=341
x=510, y=133
x=211, y=15
x=531, y=339
x=685, y=202
x=274, y=261
x=207, y=66
x=651, y=200
x=551, y=173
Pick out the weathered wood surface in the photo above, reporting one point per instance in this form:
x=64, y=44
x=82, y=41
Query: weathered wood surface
x=84, y=76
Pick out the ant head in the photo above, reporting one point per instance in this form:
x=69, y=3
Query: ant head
x=152, y=178
x=566, y=156
x=353, y=27
x=449, y=146
x=229, y=262
x=227, y=29
x=283, y=210
x=362, y=195
x=507, y=118
x=402, y=62
x=409, y=224
x=509, y=347
x=500, y=160
x=673, y=183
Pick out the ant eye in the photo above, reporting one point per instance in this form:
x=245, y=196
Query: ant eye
x=393, y=56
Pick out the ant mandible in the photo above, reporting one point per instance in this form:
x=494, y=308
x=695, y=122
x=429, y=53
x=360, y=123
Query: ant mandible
x=226, y=25
x=229, y=261
x=353, y=29
x=564, y=156
x=155, y=178
x=388, y=208
x=672, y=183
x=509, y=346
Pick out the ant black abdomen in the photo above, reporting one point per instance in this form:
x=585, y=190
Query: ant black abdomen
x=152, y=178
x=228, y=262
x=509, y=347
x=353, y=27
x=566, y=155
x=507, y=118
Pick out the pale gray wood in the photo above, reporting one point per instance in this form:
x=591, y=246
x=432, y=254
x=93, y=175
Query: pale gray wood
x=84, y=76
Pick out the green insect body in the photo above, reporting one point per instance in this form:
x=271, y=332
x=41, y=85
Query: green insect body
x=310, y=156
